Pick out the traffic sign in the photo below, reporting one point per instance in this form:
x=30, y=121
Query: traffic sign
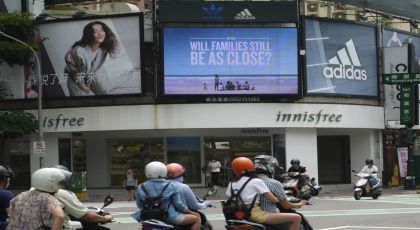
x=401, y=78
x=39, y=147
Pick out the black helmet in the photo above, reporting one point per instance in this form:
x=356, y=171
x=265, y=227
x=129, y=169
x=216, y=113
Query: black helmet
x=369, y=161
x=266, y=164
x=295, y=162
x=6, y=172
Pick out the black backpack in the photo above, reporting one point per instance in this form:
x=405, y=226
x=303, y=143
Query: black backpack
x=153, y=207
x=234, y=208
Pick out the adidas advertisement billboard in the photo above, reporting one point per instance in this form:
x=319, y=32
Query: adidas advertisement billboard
x=230, y=61
x=228, y=11
x=341, y=59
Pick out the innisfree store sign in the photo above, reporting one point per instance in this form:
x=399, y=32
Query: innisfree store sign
x=309, y=117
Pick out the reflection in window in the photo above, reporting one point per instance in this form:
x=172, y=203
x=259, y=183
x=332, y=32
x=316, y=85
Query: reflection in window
x=186, y=151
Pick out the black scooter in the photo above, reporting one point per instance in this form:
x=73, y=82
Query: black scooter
x=100, y=211
x=248, y=225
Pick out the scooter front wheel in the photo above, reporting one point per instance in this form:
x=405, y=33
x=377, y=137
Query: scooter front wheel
x=357, y=195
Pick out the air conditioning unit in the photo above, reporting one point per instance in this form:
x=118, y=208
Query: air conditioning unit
x=315, y=9
x=342, y=13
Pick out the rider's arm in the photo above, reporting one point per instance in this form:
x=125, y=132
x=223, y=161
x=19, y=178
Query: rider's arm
x=287, y=205
x=271, y=197
x=93, y=217
x=191, y=199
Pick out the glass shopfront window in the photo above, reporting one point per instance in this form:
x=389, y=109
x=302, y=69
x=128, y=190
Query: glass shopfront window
x=186, y=151
x=133, y=154
x=225, y=149
x=17, y=158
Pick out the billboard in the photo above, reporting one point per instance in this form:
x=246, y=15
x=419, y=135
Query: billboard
x=228, y=11
x=230, y=61
x=396, y=40
x=341, y=59
x=92, y=56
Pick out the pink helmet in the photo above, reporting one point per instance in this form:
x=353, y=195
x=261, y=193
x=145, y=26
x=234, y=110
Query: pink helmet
x=175, y=170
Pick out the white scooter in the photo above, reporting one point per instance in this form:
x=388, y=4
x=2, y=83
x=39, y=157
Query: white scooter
x=362, y=187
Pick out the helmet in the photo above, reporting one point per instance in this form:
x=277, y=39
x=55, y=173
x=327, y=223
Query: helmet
x=369, y=161
x=6, y=172
x=295, y=162
x=175, y=170
x=47, y=179
x=155, y=169
x=241, y=165
x=266, y=164
x=66, y=172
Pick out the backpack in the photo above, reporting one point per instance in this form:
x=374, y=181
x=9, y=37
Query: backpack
x=234, y=208
x=153, y=206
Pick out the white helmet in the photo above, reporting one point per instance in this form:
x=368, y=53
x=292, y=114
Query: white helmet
x=155, y=169
x=64, y=170
x=47, y=179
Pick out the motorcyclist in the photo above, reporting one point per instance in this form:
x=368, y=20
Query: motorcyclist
x=176, y=175
x=372, y=170
x=37, y=208
x=303, y=173
x=72, y=206
x=266, y=166
x=5, y=196
x=178, y=213
x=244, y=169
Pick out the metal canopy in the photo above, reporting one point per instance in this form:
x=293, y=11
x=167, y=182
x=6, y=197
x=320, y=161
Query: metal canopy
x=406, y=8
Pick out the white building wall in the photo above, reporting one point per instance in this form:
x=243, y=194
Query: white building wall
x=301, y=143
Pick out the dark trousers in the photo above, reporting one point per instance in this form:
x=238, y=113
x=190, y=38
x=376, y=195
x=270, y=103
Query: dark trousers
x=215, y=178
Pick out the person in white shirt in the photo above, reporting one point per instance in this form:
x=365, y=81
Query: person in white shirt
x=372, y=170
x=244, y=169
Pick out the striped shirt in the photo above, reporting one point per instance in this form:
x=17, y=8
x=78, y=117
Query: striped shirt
x=276, y=188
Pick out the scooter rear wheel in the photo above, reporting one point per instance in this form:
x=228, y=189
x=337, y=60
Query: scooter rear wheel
x=357, y=195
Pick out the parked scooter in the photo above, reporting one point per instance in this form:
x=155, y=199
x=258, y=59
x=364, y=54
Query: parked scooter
x=315, y=188
x=160, y=225
x=362, y=187
x=100, y=211
x=292, y=188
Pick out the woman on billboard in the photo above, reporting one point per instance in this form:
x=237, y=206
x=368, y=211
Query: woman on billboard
x=86, y=57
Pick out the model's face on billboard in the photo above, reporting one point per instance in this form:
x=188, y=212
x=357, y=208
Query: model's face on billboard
x=98, y=33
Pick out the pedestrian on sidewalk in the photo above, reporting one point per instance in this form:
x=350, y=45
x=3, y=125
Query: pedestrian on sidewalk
x=130, y=184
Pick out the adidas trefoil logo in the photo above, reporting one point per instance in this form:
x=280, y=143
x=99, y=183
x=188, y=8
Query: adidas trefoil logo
x=244, y=15
x=346, y=64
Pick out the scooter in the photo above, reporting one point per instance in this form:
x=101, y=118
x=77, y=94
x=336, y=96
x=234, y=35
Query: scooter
x=100, y=211
x=362, y=187
x=315, y=188
x=292, y=188
x=160, y=225
x=249, y=225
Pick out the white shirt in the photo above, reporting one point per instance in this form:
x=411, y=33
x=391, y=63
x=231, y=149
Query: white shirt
x=371, y=170
x=214, y=166
x=255, y=186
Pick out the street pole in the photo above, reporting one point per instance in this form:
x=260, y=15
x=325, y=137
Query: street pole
x=38, y=64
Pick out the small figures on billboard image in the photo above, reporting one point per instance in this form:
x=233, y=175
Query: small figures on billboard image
x=86, y=57
x=216, y=82
x=230, y=85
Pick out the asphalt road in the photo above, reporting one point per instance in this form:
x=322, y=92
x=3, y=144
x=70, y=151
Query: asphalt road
x=389, y=212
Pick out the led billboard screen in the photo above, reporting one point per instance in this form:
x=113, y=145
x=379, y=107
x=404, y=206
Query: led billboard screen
x=92, y=56
x=230, y=61
x=341, y=58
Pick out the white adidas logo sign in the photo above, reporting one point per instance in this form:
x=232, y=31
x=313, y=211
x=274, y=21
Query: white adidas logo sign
x=348, y=62
x=244, y=15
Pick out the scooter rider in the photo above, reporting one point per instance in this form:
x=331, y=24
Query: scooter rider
x=296, y=167
x=266, y=166
x=176, y=176
x=5, y=196
x=244, y=169
x=178, y=213
x=372, y=170
x=72, y=206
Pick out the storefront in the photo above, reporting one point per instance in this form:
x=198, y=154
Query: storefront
x=105, y=141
